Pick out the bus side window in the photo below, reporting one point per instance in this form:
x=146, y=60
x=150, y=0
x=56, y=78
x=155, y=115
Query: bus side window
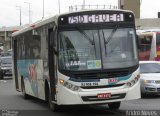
x=158, y=39
x=145, y=43
x=36, y=46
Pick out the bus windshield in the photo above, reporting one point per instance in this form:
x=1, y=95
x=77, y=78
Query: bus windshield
x=97, y=49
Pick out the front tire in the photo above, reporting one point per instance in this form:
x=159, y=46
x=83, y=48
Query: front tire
x=54, y=107
x=143, y=95
x=114, y=105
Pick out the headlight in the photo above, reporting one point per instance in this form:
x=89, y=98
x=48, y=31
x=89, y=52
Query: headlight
x=148, y=81
x=132, y=82
x=69, y=85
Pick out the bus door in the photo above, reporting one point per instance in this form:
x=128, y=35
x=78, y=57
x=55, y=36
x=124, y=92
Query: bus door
x=153, y=53
x=52, y=63
x=158, y=46
x=15, y=64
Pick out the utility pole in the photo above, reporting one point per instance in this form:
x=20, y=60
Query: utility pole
x=83, y=5
x=43, y=10
x=59, y=6
x=20, y=23
x=29, y=11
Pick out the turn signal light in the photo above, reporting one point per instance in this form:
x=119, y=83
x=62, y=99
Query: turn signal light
x=61, y=81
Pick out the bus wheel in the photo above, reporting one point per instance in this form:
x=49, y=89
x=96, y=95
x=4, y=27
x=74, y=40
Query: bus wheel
x=1, y=75
x=114, y=105
x=143, y=95
x=26, y=96
x=54, y=107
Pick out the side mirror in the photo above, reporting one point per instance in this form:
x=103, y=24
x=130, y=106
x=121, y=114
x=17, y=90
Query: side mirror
x=53, y=41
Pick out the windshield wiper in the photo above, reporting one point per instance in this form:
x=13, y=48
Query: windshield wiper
x=86, y=36
x=110, y=36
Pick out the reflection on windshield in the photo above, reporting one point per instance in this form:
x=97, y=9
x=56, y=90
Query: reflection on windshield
x=86, y=49
x=120, y=49
x=106, y=41
x=77, y=51
x=150, y=68
x=86, y=36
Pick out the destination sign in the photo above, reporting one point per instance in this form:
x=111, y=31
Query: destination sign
x=95, y=18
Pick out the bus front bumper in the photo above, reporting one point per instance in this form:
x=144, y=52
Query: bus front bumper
x=68, y=97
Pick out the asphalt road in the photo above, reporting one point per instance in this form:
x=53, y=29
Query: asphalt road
x=12, y=101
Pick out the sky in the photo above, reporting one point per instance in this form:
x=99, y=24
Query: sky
x=10, y=11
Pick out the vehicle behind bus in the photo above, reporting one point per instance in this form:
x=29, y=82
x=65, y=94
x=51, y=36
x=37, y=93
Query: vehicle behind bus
x=149, y=48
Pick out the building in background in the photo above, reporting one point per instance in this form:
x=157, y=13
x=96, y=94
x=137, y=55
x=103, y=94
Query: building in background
x=5, y=37
x=133, y=5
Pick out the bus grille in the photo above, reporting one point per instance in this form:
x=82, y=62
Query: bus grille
x=102, y=75
x=95, y=98
x=100, y=87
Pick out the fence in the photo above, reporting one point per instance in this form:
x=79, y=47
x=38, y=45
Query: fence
x=85, y=7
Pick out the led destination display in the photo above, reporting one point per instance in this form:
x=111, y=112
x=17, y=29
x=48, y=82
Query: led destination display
x=95, y=18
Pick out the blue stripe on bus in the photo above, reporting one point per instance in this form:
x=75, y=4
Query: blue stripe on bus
x=98, y=80
x=124, y=78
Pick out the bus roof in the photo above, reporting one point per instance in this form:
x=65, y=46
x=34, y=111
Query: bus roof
x=116, y=10
x=35, y=25
x=55, y=19
x=145, y=33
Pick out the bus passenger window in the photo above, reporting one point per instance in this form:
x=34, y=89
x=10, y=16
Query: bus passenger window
x=36, y=51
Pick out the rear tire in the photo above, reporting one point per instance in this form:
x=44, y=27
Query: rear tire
x=25, y=96
x=1, y=75
x=114, y=105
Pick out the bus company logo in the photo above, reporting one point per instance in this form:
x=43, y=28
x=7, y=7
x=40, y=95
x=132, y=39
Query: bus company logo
x=113, y=80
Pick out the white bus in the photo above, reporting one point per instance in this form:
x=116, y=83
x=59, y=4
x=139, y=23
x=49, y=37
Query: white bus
x=85, y=57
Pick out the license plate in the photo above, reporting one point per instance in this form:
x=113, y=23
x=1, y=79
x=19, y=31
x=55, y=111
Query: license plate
x=104, y=95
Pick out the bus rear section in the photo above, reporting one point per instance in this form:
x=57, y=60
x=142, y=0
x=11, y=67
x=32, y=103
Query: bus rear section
x=149, y=46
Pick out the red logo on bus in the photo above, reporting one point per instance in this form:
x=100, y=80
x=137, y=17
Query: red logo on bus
x=113, y=80
x=32, y=72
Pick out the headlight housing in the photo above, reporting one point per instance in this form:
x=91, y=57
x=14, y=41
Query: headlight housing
x=69, y=85
x=133, y=81
x=149, y=81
